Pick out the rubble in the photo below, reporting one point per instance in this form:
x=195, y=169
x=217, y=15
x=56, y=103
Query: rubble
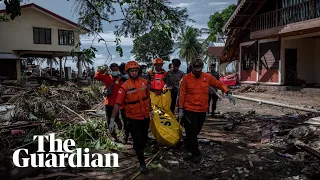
x=237, y=153
x=244, y=89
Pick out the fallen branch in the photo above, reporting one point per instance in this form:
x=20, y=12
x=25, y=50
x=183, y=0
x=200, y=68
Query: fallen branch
x=9, y=127
x=24, y=145
x=277, y=104
x=53, y=175
x=73, y=112
x=15, y=87
x=101, y=175
x=152, y=158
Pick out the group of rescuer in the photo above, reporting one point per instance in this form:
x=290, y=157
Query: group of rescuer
x=128, y=89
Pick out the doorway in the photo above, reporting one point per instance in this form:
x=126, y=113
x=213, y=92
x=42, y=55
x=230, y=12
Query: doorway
x=291, y=66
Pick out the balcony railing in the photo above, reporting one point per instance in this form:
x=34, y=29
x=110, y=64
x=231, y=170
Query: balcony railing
x=300, y=12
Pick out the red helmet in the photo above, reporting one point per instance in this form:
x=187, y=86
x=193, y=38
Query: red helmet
x=131, y=65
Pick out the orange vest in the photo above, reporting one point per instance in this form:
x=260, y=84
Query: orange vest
x=194, y=92
x=157, y=80
x=137, y=101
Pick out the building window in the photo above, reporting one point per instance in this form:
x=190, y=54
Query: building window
x=66, y=37
x=248, y=61
x=249, y=56
x=41, y=35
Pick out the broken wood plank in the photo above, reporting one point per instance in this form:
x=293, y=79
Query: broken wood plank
x=58, y=174
x=73, y=112
x=152, y=158
x=265, y=134
x=277, y=104
x=314, y=121
x=306, y=148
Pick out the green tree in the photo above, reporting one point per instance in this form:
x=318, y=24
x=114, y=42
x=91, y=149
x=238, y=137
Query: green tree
x=217, y=21
x=138, y=17
x=154, y=44
x=189, y=44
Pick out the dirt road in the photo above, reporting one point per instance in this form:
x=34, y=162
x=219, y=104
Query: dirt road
x=238, y=153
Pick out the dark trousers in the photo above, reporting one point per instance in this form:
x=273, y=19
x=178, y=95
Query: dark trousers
x=193, y=122
x=139, y=132
x=214, y=99
x=174, y=95
x=109, y=110
x=125, y=124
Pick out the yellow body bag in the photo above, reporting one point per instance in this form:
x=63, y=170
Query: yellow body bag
x=164, y=126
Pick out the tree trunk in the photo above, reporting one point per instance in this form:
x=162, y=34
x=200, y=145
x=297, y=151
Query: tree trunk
x=51, y=62
x=65, y=62
x=79, y=65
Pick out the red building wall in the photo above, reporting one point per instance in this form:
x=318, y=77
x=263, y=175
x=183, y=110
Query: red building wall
x=269, y=76
x=248, y=75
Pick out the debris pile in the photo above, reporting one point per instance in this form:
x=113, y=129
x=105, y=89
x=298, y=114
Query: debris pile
x=46, y=103
x=245, y=89
x=25, y=112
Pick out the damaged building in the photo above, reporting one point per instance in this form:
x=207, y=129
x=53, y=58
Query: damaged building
x=277, y=42
x=37, y=33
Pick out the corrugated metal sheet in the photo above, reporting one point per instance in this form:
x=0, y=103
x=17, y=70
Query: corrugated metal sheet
x=215, y=51
x=8, y=56
x=216, y=44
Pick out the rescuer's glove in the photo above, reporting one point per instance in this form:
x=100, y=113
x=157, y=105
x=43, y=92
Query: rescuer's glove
x=111, y=125
x=152, y=114
x=231, y=98
x=180, y=114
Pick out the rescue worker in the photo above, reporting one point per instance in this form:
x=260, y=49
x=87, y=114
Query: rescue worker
x=157, y=77
x=193, y=104
x=212, y=95
x=135, y=93
x=143, y=71
x=123, y=78
x=173, y=79
x=112, y=85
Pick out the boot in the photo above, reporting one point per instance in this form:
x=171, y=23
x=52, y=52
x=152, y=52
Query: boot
x=124, y=138
x=143, y=167
x=119, y=124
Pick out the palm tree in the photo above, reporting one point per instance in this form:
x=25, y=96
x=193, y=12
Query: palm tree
x=50, y=62
x=189, y=44
x=86, y=61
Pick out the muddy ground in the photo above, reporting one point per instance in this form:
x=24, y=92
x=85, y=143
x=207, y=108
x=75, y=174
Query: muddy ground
x=238, y=153
x=232, y=146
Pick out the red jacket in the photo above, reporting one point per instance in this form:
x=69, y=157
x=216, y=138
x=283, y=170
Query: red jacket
x=108, y=80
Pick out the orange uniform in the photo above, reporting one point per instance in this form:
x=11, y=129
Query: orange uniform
x=157, y=80
x=194, y=91
x=108, y=80
x=135, y=94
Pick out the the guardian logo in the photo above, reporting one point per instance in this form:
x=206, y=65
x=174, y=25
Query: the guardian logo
x=60, y=153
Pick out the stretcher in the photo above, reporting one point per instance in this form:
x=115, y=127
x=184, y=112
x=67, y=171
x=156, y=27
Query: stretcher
x=164, y=126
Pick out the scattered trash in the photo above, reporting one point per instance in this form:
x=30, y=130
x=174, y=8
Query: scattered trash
x=250, y=163
x=285, y=155
x=224, y=171
x=293, y=178
x=240, y=170
x=173, y=162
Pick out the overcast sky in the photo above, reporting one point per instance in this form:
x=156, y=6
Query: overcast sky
x=199, y=11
